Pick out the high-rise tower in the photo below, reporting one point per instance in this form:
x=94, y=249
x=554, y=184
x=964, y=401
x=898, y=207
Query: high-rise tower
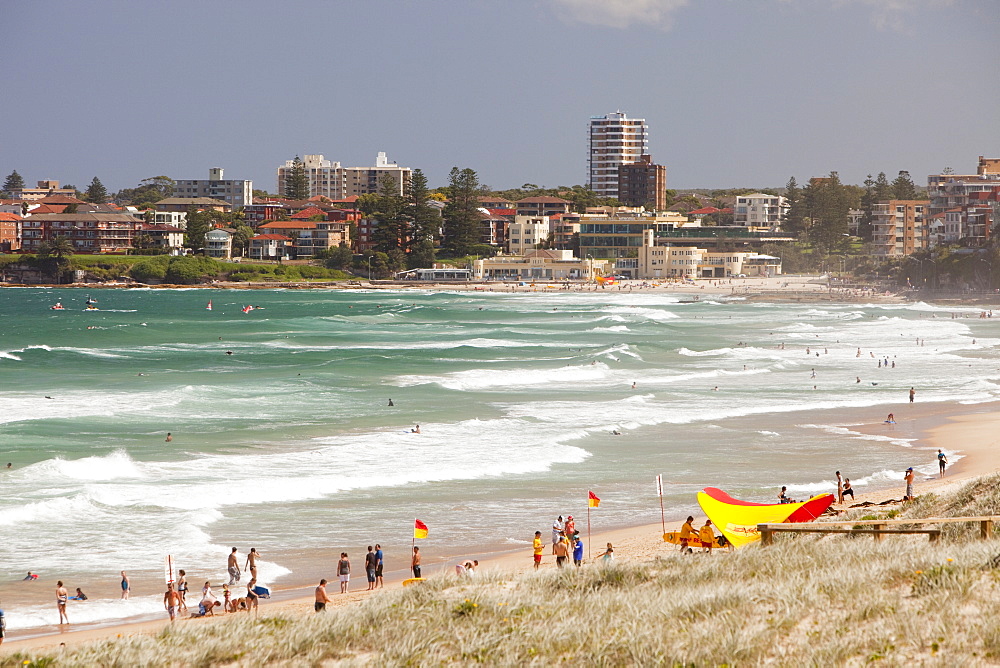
x=615, y=139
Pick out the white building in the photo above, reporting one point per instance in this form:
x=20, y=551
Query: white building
x=615, y=140
x=332, y=180
x=236, y=192
x=759, y=210
x=545, y=265
x=526, y=232
x=219, y=243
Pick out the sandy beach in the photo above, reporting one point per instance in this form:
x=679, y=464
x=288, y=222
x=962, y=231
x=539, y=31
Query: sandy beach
x=974, y=430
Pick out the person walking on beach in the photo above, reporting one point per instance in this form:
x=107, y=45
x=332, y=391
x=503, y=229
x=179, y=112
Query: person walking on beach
x=577, y=551
x=687, y=532
x=182, y=587
x=379, y=564
x=609, y=554
x=3, y=626
x=322, y=598
x=840, y=488
x=370, y=561
x=61, y=597
x=233, y=566
x=344, y=572
x=536, y=546
x=912, y=392
x=126, y=586
x=171, y=599
x=942, y=462
x=415, y=562
x=908, y=477
x=252, y=562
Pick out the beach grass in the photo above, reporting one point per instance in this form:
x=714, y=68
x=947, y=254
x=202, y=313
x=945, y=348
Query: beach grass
x=807, y=600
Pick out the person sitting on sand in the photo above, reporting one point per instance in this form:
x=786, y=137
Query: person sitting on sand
x=783, y=496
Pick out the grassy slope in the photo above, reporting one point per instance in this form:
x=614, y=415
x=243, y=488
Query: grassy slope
x=806, y=601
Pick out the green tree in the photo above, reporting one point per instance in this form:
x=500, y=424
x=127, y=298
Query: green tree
x=868, y=201
x=883, y=191
x=339, y=257
x=148, y=192
x=198, y=225
x=421, y=255
x=96, y=192
x=14, y=181
x=57, y=252
x=296, y=181
x=793, y=221
x=903, y=187
x=392, y=227
x=425, y=219
x=461, y=215
x=241, y=239
x=142, y=241
x=828, y=204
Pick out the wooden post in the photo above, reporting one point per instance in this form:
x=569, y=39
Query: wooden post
x=876, y=534
x=985, y=529
x=766, y=535
x=934, y=535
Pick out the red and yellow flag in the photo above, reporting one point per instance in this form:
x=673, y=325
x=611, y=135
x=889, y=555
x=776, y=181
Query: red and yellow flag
x=593, y=501
x=419, y=529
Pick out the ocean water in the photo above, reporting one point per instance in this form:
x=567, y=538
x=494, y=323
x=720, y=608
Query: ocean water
x=288, y=443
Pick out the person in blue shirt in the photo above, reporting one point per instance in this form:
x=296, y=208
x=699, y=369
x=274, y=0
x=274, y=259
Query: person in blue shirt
x=378, y=566
x=577, y=551
x=3, y=626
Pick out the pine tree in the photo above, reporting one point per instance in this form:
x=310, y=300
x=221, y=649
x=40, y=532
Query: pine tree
x=14, y=181
x=96, y=192
x=866, y=225
x=828, y=204
x=461, y=218
x=426, y=220
x=883, y=191
x=794, y=218
x=198, y=223
x=903, y=187
x=296, y=181
x=392, y=230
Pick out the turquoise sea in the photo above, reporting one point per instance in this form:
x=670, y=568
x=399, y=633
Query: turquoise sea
x=288, y=443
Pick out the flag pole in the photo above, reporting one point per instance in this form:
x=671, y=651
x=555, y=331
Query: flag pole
x=659, y=489
x=590, y=548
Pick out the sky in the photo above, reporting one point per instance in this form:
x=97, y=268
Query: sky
x=736, y=93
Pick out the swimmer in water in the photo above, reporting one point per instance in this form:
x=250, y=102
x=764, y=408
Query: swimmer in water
x=415, y=430
x=169, y=437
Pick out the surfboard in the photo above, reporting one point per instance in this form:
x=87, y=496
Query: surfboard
x=168, y=569
x=409, y=581
x=675, y=538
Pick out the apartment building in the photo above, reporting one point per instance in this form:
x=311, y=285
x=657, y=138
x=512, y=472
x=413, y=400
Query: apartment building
x=759, y=210
x=44, y=189
x=614, y=140
x=899, y=227
x=336, y=182
x=540, y=265
x=526, y=232
x=219, y=243
x=182, y=204
x=643, y=183
x=88, y=232
x=237, y=192
x=655, y=261
x=543, y=205
x=10, y=232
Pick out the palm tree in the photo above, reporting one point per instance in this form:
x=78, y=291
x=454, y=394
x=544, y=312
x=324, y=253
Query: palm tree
x=59, y=251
